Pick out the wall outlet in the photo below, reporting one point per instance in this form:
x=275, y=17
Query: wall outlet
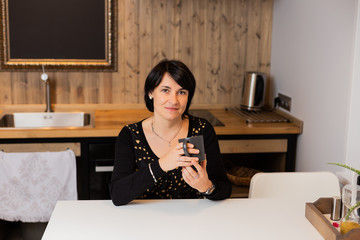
x=284, y=102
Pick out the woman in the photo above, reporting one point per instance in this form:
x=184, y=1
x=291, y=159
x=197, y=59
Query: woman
x=150, y=162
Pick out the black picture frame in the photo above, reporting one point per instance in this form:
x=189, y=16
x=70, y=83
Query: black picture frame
x=65, y=35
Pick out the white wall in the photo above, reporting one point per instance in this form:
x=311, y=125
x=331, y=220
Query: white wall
x=312, y=61
x=353, y=146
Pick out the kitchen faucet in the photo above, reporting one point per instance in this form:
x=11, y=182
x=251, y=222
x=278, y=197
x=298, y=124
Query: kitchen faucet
x=45, y=78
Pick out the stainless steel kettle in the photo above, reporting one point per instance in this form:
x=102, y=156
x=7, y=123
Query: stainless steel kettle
x=253, y=92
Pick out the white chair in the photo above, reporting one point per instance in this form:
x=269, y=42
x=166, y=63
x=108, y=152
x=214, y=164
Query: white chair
x=308, y=186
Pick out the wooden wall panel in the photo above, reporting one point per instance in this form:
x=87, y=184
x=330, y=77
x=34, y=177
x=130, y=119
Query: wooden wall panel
x=253, y=36
x=105, y=87
x=199, y=48
x=159, y=40
x=131, y=51
x=118, y=77
x=5, y=88
x=19, y=87
x=218, y=39
x=60, y=81
x=227, y=22
x=145, y=43
x=239, y=47
x=265, y=43
x=212, y=57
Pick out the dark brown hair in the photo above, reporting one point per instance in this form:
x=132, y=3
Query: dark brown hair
x=178, y=71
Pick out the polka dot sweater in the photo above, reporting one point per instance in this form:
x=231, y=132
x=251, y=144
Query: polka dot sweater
x=132, y=178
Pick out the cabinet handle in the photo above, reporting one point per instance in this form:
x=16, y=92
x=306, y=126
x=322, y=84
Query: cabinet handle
x=104, y=168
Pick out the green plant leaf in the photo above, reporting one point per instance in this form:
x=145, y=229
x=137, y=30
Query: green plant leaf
x=346, y=166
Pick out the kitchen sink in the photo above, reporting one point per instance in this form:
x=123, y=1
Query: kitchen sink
x=46, y=120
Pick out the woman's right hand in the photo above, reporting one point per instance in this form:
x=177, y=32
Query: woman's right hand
x=175, y=157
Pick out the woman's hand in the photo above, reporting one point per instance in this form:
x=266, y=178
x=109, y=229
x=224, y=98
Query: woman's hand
x=175, y=157
x=198, y=180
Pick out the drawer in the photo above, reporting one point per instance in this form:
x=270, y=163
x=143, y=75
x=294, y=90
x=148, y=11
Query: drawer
x=253, y=146
x=41, y=147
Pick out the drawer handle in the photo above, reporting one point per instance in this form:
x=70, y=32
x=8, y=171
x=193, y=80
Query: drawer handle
x=104, y=168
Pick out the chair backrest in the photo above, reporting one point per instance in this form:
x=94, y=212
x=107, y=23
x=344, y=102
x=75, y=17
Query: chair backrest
x=308, y=186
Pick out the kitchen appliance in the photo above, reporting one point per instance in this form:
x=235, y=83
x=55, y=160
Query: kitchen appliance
x=253, y=92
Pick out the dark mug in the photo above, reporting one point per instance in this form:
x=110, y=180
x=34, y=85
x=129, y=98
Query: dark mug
x=198, y=142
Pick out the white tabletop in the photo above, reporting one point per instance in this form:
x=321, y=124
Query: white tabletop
x=181, y=219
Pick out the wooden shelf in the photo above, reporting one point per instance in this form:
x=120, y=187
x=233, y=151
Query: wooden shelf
x=315, y=213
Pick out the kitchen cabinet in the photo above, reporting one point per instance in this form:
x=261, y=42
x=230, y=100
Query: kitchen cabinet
x=95, y=156
x=268, y=153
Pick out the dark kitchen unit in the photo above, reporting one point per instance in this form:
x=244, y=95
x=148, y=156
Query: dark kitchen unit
x=101, y=164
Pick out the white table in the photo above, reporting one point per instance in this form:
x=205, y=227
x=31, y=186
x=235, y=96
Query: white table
x=181, y=219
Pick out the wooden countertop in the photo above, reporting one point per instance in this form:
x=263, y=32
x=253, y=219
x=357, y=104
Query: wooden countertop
x=109, y=119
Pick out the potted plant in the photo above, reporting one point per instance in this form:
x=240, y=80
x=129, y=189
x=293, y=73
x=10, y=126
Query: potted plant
x=346, y=223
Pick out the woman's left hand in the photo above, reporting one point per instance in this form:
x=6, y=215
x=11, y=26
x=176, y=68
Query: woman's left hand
x=198, y=180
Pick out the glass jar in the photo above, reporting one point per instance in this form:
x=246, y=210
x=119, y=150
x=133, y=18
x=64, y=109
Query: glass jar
x=348, y=192
x=349, y=224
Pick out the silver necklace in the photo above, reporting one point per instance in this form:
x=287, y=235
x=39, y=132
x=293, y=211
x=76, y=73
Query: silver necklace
x=169, y=142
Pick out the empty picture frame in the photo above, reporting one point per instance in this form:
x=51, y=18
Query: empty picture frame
x=59, y=34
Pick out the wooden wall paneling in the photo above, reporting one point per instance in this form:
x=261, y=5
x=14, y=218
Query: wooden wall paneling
x=159, y=31
x=105, y=87
x=35, y=88
x=198, y=67
x=265, y=44
x=226, y=21
x=18, y=87
x=173, y=25
x=77, y=88
x=145, y=44
x=218, y=39
x=265, y=35
x=186, y=33
x=239, y=49
x=253, y=36
x=170, y=10
x=212, y=51
x=131, y=51
x=118, y=90
x=60, y=87
x=5, y=89
x=91, y=87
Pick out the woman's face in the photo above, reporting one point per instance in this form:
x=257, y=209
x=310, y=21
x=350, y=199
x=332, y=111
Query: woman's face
x=170, y=99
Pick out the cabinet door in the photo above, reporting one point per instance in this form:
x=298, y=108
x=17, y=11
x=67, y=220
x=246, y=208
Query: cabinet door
x=101, y=164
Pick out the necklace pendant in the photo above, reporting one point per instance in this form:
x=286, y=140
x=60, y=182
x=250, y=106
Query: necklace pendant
x=169, y=144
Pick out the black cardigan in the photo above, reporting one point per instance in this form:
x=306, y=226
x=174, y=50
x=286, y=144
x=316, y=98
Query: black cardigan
x=132, y=179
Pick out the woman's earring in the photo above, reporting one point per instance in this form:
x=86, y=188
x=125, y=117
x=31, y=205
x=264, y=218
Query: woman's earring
x=150, y=97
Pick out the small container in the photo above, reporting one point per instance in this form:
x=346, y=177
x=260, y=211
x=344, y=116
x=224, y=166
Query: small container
x=336, y=208
x=344, y=210
x=349, y=192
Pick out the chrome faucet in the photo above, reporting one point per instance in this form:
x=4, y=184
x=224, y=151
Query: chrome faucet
x=45, y=78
